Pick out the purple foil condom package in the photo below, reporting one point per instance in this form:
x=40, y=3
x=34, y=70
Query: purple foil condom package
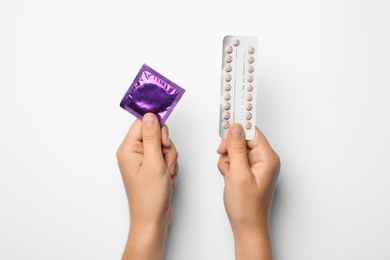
x=151, y=92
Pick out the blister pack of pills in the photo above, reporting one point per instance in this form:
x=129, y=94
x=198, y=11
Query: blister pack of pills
x=238, y=84
x=151, y=92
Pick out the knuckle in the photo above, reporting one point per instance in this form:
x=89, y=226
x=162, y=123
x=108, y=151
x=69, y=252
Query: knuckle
x=170, y=154
x=151, y=135
x=120, y=153
x=174, y=150
x=149, y=138
x=274, y=160
x=222, y=165
x=175, y=154
x=238, y=148
x=219, y=165
x=277, y=162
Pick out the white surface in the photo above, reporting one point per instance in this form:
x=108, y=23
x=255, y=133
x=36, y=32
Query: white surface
x=323, y=104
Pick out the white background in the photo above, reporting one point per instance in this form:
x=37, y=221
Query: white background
x=323, y=103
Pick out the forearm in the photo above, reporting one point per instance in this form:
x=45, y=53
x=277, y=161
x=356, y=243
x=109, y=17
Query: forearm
x=145, y=243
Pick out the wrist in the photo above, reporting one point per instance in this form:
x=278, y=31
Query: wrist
x=148, y=232
x=253, y=243
x=146, y=241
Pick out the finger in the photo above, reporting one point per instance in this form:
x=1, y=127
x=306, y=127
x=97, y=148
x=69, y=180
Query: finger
x=222, y=148
x=237, y=149
x=166, y=142
x=223, y=164
x=174, y=177
x=134, y=133
x=260, y=146
x=131, y=143
x=170, y=156
x=261, y=151
x=151, y=138
x=259, y=141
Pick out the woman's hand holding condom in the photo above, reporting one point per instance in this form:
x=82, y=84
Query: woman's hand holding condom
x=250, y=170
x=148, y=163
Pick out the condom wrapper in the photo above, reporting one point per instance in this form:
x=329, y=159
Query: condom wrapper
x=238, y=84
x=151, y=92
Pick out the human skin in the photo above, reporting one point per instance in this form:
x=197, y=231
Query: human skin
x=148, y=163
x=250, y=170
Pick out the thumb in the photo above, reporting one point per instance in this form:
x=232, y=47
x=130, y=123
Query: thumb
x=237, y=149
x=151, y=138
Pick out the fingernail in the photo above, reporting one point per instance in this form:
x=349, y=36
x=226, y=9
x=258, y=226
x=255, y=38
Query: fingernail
x=149, y=119
x=236, y=131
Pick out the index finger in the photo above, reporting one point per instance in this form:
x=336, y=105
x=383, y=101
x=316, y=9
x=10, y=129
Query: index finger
x=259, y=142
x=134, y=133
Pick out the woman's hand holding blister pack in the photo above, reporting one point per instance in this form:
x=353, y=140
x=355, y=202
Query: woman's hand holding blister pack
x=250, y=170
